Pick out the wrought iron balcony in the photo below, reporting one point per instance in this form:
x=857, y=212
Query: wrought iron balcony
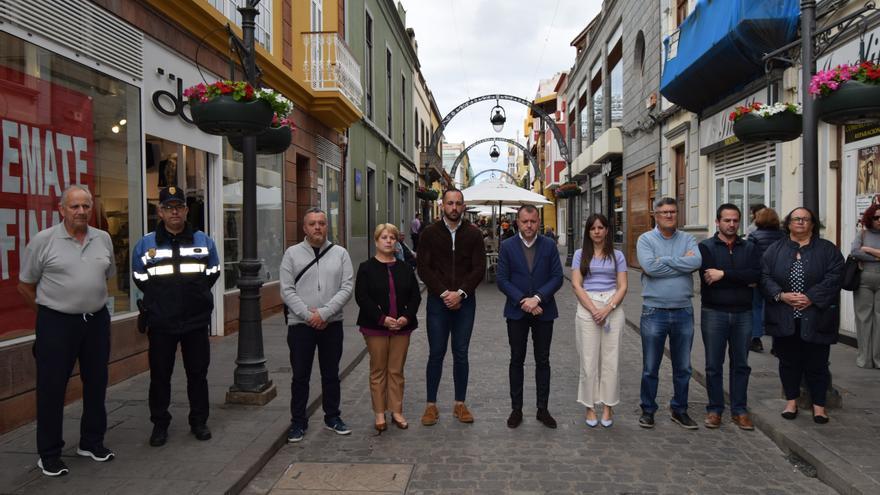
x=329, y=65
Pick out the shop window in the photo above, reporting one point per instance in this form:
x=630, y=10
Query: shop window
x=617, y=220
x=270, y=218
x=615, y=83
x=62, y=123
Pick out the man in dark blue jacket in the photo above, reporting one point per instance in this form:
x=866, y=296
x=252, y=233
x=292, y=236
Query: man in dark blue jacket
x=529, y=274
x=175, y=267
x=729, y=271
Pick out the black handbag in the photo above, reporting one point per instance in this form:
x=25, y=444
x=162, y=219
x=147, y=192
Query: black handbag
x=852, y=273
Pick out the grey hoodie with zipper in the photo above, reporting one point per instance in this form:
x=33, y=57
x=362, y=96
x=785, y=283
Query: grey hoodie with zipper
x=326, y=285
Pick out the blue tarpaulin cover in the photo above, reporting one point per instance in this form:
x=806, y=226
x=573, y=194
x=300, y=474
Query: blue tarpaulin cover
x=720, y=45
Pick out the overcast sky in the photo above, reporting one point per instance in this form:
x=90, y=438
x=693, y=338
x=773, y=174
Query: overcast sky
x=470, y=48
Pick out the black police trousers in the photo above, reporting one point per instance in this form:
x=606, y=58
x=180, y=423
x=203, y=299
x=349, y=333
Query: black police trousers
x=61, y=340
x=196, y=351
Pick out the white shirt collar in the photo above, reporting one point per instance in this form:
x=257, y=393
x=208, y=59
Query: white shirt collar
x=452, y=230
x=527, y=243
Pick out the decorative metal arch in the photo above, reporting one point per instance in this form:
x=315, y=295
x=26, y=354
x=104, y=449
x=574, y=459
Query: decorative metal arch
x=470, y=183
x=557, y=134
x=525, y=151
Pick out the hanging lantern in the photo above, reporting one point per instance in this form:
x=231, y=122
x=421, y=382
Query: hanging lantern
x=497, y=117
x=494, y=153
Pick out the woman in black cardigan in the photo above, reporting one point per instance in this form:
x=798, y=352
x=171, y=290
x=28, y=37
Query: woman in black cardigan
x=800, y=277
x=388, y=296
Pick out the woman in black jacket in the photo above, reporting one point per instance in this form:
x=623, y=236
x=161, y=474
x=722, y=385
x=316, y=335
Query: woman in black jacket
x=800, y=278
x=766, y=232
x=388, y=296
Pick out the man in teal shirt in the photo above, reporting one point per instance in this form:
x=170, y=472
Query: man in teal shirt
x=668, y=258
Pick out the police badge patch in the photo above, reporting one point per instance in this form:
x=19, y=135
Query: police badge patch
x=151, y=252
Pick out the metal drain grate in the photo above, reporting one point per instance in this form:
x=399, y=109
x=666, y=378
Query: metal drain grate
x=317, y=477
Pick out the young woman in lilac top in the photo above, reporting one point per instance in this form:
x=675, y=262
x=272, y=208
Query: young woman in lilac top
x=598, y=278
x=388, y=296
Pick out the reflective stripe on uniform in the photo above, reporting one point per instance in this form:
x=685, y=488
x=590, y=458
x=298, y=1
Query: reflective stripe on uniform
x=158, y=255
x=214, y=269
x=194, y=251
x=140, y=276
x=161, y=270
x=192, y=267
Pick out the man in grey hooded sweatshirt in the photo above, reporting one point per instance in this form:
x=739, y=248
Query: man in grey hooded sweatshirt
x=316, y=282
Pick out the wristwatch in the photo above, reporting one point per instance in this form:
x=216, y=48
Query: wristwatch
x=462, y=293
x=613, y=306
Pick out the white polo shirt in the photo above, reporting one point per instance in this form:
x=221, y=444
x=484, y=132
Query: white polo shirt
x=70, y=277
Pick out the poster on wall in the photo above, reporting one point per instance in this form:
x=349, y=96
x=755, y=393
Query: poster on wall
x=46, y=144
x=867, y=182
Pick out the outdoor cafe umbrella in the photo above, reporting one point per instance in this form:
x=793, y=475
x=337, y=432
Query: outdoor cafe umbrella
x=496, y=192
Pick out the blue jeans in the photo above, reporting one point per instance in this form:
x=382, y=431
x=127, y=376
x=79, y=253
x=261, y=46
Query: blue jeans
x=732, y=332
x=443, y=322
x=757, y=313
x=655, y=326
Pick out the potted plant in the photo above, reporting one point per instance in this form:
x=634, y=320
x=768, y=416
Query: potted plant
x=229, y=108
x=760, y=122
x=847, y=94
x=427, y=194
x=568, y=190
x=276, y=139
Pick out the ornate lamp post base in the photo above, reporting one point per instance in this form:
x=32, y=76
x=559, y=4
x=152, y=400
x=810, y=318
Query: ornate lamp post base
x=247, y=398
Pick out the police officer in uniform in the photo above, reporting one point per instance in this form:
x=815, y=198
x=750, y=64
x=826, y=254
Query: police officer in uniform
x=175, y=267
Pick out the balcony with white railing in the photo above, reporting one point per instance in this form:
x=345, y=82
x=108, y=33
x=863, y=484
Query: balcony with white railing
x=329, y=65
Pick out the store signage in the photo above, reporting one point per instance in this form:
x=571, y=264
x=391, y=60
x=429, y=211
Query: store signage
x=172, y=104
x=46, y=144
x=716, y=131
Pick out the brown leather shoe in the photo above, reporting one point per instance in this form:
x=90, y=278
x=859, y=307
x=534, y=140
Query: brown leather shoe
x=461, y=412
x=743, y=421
x=431, y=416
x=713, y=420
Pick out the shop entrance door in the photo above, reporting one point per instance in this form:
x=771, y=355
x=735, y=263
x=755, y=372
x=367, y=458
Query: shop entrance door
x=640, y=192
x=184, y=167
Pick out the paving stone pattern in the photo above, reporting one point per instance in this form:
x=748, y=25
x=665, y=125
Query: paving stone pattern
x=487, y=457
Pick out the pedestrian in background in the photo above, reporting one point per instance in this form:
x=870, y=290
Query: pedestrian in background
x=529, y=274
x=175, y=267
x=668, y=257
x=753, y=213
x=451, y=263
x=415, y=227
x=63, y=278
x=315, y=286
x=866, y=248
x=729, y=271
x=800, y=277
x=388, y=296
x=766, y=233
x=599, y=281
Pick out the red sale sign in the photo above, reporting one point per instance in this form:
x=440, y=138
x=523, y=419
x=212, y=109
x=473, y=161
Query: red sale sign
x=46, y=144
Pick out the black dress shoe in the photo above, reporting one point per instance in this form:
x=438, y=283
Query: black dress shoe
x=201, y=432
x=646, y=420
x=159, y=436
x=819, y=419
x=544, y=417
x=756, y=345
x=789, y=414
x=515, y=418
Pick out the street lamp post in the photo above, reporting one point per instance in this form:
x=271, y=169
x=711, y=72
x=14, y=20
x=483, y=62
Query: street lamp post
x=810, y=118
x=251, y=378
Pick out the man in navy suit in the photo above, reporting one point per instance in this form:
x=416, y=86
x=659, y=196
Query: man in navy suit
x=529, y=274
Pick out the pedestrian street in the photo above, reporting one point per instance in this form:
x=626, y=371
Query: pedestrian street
x=488, y=457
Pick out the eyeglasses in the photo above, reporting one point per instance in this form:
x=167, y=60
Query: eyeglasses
x=801, y=219
x=666, y=213
x=173, y=207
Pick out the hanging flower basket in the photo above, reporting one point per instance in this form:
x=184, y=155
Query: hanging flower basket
x=271, y=142
x=758, y=122
x=848, y=94
x=427, y=194
x=229, y=108
x=568, y=190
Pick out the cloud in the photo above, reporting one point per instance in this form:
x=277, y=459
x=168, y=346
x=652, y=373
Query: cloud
x=469, y=48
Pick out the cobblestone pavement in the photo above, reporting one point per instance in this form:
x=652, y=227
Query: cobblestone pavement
x=488, y=457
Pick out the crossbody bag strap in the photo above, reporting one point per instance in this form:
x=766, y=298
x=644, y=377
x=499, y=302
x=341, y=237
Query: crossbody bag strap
x=303, y=271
